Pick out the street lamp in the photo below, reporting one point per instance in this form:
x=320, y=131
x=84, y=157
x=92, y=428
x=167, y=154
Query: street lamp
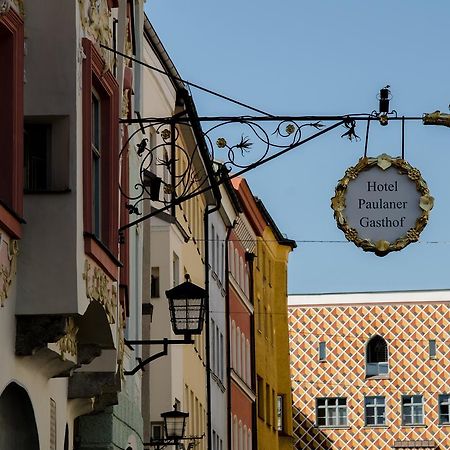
x=187, y=308
x=187, y=314
x=174, y=423
x=174, y=427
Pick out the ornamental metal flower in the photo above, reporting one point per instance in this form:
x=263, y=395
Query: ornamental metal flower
x=290, y=129
x=221, y=142
x=165, y=134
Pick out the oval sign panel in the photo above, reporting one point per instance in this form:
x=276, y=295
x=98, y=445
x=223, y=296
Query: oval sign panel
x=382, y=204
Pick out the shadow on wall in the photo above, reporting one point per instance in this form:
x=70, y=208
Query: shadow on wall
x=307, y=436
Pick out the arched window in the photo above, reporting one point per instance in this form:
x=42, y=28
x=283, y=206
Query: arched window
x=377, y=357
x=233, y=344
x=246, y=281
x=247, y=363
x=249, y=437
x=244, y=358
x=231, y=256
x=241, y=442
x=245, y=438
x=235, y=433
x=238, y=366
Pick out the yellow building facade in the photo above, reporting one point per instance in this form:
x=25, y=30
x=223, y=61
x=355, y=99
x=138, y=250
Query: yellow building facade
x=272, y=366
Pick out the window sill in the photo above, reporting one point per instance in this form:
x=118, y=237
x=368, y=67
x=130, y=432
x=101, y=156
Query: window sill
x=101, y=255
x=10, y=222
x=376, y=426
x=324, y=427
x=378, y=377
x=419, y=425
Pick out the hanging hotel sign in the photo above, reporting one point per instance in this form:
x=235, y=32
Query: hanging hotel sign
x=382, y=204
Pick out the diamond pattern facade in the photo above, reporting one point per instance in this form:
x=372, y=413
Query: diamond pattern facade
x=346, y=329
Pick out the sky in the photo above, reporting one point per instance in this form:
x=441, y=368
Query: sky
x=326, y=57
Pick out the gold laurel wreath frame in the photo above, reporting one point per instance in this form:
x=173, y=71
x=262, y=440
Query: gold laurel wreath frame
x=384, y=161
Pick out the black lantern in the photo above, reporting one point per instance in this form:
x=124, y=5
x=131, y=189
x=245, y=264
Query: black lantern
x=384, y=98
x=187, y=307
x=174, y=423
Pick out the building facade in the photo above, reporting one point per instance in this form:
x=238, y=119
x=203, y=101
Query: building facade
x=269, y=276
x=64, y=274
x=241, y=253
x=369, y=370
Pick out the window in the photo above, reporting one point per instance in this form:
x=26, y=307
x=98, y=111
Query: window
x=432, y=348
x=100, y=159
x=331, y=412
x=412, y=410
x=280, y=412
x=268, y=405
x=444, y=409
x=154, y=285
x=11, y=118
x=36, y=156
x=375, y=410
x=377, y=357
x=260, y=393
x=175, y=270
x=221, y=356
x=46, y=154
x=322, y=351
x=213, y=345
x=157, y=430
x=213, y=248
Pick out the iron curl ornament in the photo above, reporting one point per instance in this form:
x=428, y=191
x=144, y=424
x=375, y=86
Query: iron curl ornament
x=171, y=171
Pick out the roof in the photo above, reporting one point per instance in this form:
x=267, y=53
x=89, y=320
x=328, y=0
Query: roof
x=366, y=298
x=283, y=240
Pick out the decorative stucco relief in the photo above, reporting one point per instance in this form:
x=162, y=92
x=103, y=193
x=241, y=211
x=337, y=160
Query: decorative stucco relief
x=5, y=6
x=121, y=341
x=68, y=343
x=100, y=288
x=127, y=66
x=95, y=17
x=8, y=257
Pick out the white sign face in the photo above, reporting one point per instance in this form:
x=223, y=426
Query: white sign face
x=382, y=204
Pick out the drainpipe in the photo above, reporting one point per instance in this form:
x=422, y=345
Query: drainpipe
x=227, y=331
x=250, y=257
x=207, y=320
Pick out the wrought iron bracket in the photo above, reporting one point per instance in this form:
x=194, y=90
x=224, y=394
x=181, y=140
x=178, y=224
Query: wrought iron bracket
x=164, y=342
x=162, y=443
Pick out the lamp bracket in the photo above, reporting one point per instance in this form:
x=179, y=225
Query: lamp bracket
x=162, y=443
x=241, y=143
x=164, y=342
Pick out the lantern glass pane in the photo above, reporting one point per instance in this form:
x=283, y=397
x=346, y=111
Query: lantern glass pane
x=174, y=427
x=187, y=315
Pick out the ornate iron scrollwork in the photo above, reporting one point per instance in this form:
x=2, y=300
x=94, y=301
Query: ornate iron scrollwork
x=234, y=144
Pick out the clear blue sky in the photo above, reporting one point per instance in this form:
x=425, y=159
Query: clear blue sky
x=296, y=57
